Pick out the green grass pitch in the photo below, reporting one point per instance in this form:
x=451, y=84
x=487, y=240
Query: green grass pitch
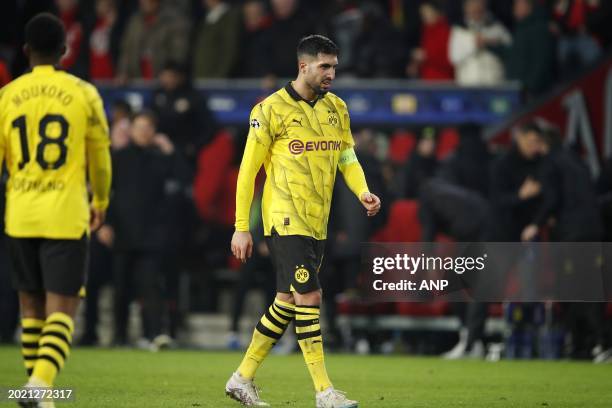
x=128, y=378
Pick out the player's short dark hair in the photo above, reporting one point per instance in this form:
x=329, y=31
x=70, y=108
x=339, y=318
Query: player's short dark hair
x=314, y=44
x=45, y=35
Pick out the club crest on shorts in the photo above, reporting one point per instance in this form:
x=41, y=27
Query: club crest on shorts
x=301, y=274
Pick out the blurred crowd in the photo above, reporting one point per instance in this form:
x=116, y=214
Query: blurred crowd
x=172, y=211
x=475, y=42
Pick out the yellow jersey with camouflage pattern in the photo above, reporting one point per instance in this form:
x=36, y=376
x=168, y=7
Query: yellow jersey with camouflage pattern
x=300, y=144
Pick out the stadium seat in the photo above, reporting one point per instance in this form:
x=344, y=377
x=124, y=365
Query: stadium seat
x=214, y=185
x=448, y=140
x=400, y=146
x=425, y=309
x=403, y=224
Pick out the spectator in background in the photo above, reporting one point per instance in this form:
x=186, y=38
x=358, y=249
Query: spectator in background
x=578, y=49
x=515, y=185
x=255, y=40
x=378, y=52
x=138, y=226
x=152, y=38
x=598, y=21
x=431, y=60
x=102, y=50
x=457, y=204
x=290, y=25
x=182, y=112
x=569, y=195
x=421, y=165
x=216, y=41
x=121, y=114
x=468, y=167
x=69, y=14
x=570, y=199
x=531, y=59
x=474, y=62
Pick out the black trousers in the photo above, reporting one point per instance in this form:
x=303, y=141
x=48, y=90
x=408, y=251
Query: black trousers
x=138, y=274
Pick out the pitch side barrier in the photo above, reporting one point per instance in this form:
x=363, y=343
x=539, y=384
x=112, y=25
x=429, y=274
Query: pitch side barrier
x=372, y=102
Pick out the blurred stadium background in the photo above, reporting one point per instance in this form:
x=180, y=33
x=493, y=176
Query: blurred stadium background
x=436, y=89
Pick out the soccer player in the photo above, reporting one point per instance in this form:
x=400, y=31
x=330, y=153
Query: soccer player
x=301, y=134
x=52, y=128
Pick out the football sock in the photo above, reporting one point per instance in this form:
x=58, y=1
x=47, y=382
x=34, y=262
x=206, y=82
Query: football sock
x=308, y=330
x=267, y=332
x=53, y=347
x=30, y=334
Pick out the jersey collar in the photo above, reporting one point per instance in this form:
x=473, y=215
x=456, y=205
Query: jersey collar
x=296, y=96
x=43, y=69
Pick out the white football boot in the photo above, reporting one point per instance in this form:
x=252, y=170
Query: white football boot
x=333, y=398
x=244, y=391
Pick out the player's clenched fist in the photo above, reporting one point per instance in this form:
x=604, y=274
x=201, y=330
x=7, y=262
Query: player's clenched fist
x=371, y=202
x=242, y=245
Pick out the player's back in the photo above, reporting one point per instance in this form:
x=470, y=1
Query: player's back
x=45, y=118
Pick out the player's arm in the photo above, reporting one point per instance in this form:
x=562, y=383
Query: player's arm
x=355, y=180
x=351, y=169
x=98, y=157
x=256, y=149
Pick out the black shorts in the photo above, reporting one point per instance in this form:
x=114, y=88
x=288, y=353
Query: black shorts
x=51, y=265
x=297, y=260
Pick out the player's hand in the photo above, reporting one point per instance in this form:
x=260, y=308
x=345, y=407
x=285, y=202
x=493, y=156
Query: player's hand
x=242, y=245
x=371, y=202
x=96, y=219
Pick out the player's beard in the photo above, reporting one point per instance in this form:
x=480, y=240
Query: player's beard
x=317, y=87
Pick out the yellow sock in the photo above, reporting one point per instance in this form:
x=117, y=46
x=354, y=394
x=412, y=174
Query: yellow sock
x=309, y=337
x=267, y=332
x=53, y=347
x=30, y=334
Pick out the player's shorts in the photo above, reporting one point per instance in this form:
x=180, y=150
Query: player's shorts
x=51, y=265
x=297, y=260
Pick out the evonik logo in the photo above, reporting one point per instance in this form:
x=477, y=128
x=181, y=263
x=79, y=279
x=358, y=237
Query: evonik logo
x=298, y=147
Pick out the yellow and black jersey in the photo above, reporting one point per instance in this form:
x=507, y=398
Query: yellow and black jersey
x=300, y=144
x=52, y=126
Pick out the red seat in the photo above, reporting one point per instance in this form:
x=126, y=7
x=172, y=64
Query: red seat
x=418, y=309
x=401, y=145
x=403, y=223
x=448, y=140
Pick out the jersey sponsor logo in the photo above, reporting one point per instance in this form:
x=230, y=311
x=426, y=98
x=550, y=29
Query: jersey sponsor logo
x=299, y=122
x=255, y=124
x=302, y=275
x=298, y=147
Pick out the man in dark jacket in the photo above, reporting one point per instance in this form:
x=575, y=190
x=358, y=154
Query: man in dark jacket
x=182, y=112
x=515, y=186
x=140, y=216
x=531, y=59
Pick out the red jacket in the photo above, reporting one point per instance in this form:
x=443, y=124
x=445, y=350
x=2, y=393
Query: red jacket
x=434, y=41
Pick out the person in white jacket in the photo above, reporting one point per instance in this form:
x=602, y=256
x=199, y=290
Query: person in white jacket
x=471, y=46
